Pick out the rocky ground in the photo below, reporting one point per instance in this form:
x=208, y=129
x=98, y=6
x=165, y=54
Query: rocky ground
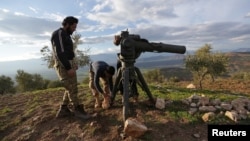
x=31, y=117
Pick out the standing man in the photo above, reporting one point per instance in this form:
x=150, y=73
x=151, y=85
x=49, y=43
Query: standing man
x=66, y=67
x=100, y=70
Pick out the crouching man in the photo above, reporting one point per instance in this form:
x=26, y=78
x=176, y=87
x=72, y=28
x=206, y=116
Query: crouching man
x=100, y=70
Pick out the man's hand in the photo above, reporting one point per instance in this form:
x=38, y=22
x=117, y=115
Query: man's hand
x=71, y=72
x=76, y=67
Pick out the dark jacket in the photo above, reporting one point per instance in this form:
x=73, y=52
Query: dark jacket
x=99, y=67
x=62, y=45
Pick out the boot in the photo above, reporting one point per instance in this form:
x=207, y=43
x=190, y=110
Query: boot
x=97, y=102
x=63, y=112
x=80, y=112
x=106, y=102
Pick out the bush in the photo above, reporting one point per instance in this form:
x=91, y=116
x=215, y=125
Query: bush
x=55, y=84
x=6, y=85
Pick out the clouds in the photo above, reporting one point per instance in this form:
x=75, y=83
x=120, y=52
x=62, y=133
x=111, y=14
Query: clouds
x=247, y=15
x=225, y=24
x=192, y=23
x=33, y=9
x=23, y=25
x=127, y=13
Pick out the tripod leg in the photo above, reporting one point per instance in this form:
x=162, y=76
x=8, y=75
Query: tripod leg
x=115, y=88
x=126, y=91
x=144, y=85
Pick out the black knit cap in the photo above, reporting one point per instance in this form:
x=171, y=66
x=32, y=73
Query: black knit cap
x=69, y=20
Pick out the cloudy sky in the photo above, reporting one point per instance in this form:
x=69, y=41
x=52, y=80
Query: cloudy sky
x=26, y=25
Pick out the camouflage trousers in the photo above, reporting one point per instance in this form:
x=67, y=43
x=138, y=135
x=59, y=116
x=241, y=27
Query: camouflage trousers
x=105, y=85
x=106, y=96
x=69, y=83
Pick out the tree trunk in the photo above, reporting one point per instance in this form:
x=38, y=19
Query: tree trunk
x=201, y=79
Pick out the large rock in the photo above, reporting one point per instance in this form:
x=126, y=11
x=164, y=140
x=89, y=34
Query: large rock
x=134, y=128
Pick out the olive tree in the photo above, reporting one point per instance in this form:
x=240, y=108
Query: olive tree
x=6, y=85
x=82, y=57
x=205, y=63
x=29, y=82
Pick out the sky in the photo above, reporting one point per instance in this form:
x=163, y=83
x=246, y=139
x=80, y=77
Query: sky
x=26, y=25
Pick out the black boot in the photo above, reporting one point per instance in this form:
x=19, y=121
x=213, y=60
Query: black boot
x=63, y=112
x=80, y=112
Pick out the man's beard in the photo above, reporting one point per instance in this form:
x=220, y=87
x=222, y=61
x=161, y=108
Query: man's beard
x=69, y=31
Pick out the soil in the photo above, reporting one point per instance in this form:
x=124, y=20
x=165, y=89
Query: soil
x=31, y=117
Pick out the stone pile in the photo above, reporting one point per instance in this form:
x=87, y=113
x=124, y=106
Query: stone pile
x=237, y=109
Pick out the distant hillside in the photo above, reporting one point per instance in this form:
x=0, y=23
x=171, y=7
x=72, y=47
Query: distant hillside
x=242, y=50
x=161, y=61
x=239, y=61
x=38, y=66
x=181, y=74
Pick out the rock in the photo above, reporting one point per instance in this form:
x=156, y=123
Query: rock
x=226, y=106
x=134, y=128
x=232, y=115
x=208, y=116
x=160, y=103
x=191, y=86
x=204, y=101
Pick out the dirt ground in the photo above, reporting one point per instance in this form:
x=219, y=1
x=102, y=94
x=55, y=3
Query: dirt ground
x=31, y=117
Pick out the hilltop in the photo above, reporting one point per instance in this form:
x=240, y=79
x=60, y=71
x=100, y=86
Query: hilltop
x=31, y=115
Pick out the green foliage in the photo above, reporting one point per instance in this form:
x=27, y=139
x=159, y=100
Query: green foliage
x=29, y=82
x=154, y=76
x=183, y=116
x=206, y=64
x=47, y=56
x=82, y=58
x=6, y=85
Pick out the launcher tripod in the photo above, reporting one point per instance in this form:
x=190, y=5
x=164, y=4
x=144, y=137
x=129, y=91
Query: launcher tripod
x=128, y=75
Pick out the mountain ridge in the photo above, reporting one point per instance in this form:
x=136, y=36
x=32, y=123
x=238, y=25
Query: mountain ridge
x=146, y=60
